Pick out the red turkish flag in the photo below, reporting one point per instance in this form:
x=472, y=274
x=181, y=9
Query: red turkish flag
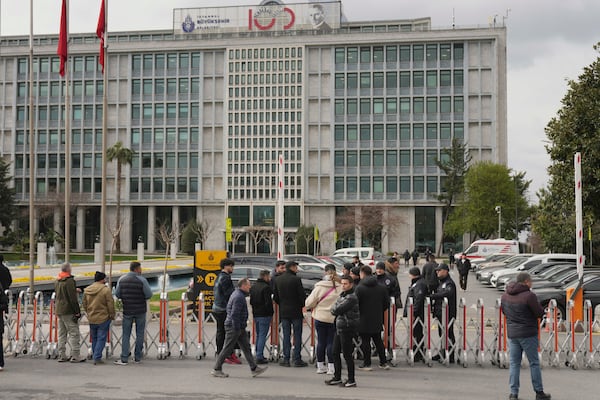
x=63, y=47
x=100, y=30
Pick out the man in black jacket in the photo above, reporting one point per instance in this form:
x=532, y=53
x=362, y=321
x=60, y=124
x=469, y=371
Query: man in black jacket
x=3, y=309
x=290, y=296
x=522, y=310
x=347, y=319
x=262, y=310
x=445, y=290
x=429, y=274
x=223, y=290
x=277, y=271
x=464, y=267
x=373, y=300
x=389, y=282
x=418, y=291
x=5, y=276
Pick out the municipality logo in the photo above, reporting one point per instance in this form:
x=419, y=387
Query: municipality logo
x=188, y=25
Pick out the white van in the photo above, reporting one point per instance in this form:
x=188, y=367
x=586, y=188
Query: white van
x=367, y=255
x=480, y=249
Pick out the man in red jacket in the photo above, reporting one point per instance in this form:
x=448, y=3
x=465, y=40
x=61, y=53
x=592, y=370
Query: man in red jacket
x=522, y=310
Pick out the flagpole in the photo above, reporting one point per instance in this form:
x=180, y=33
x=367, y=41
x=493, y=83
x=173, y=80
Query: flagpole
x=104, y=134
x=280, y=213
x=67, y=231
x=31, y=159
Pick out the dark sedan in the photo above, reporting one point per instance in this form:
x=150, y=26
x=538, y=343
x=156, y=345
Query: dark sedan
x=535, y=272
x=591, y=291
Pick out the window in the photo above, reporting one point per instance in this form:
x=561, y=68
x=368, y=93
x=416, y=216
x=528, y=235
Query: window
x=445, y=78
x=136, y=62
x=445, y=129
x=391, y=53
x=432, y=157
x=365, y=106
x=391, y=158
x=378, y=80
x=459, y=104
x=351, y=106
x=418, y=158
x=365, y=184
x=339, y=185
x=351, y=184
x=418, y=105
x=171, y=61
x=431, y=52
x=365, y=132
x=339, y=107
x=365, y=80
x=377, y=132
x=78, y=64
x=365, y=55
x=352, y=81
x=405, y=79
x=391, y=132
x=352, y=55
x=90, y=64
x=135, y=87
x=339, y=158
x=365, y=158
x=432, y=184
x=458, y=51
x=418, y=184
x=432, y=105
x=352, y=132
x=391, y=80
x=405, y=184
x=147, y=87
x=431, y=131
x=432, y=79
x=405, y=158
x=340, y=55
x=378, y=184
x=378, y=54
x=377, y=106
x=339, y=81
x=404, y=132
x=418, y=53
x=351, y=158
x=445, y=104
x=391, y=105
x=391, y=184
x=445, y=51
x=404, y=53
x=418, y=131
x=458, y=78
x=418, y=80
x=378, y=158
x=339, y=133
x=459, y=131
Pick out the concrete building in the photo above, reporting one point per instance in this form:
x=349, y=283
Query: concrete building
x=360, y=111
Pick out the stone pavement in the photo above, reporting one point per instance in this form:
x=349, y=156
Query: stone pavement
x=41, y=379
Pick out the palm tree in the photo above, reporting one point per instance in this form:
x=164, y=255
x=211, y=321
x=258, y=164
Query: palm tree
x=122, y=155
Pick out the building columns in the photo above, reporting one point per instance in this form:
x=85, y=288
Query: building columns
x=151, y=229
x=439, y=232
x=80, y=230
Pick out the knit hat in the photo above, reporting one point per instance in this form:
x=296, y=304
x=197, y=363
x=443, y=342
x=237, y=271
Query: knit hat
x=414, y=271
x=98, y=276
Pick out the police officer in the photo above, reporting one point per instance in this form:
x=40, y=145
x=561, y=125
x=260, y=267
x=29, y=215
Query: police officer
x=445, y=290
x=418, y=291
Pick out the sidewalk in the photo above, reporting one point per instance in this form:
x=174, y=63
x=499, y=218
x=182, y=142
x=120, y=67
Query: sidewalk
x=41, y=379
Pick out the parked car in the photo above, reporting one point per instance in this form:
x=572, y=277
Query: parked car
x=534, y=272
x=367, y=255
x=496, y=257
x=497, y=264
x=252, y=272
x=484, y=275
x=591, y=291
x=268, y=262
x=532, y=262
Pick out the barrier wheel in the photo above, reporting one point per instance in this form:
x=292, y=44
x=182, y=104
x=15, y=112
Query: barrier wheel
x=198, y=357
x=429, y=364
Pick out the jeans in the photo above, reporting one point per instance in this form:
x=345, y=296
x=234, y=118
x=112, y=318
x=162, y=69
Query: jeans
x=286, y=326
x=262, y=329
x=140, y=328
x=233, y=337
x=366, y=347
x=343, y=344
x=325, y=335
x=98, y=333
x=528, y=345
x=67, y=327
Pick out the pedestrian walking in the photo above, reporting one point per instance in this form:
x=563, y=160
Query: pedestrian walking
x=235, y=331
x=134, y=291
x=261, y=300
x=373, y=300
x=464, y=267
x=445, y=290
x=451, y=259
x=68, y=312
x=347, y=319
x=3, y=309
x=418, y=291
x=223, y=289
x=99, y=306
x=406, y=256
x=522, y=310
x=430, y=275
x=5, y=276
x=428, y=253
x=289, y=294
x=415, y=257
x=322, y=297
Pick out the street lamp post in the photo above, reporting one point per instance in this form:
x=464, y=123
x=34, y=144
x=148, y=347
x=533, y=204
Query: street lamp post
x=499, y=211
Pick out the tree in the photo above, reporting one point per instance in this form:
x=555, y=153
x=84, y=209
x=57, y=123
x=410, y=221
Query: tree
x=575, y=128
x=304, y=239
x=123, y=156
x=259, y=234
x=8, y=211
x=372, y=222
x=488, y=185
x=453, y=163
x=195, y=232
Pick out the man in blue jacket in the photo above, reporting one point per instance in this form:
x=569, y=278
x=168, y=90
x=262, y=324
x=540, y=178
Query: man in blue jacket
x=134, y=291
x=223, y=289
x=522, y=310
x=235, y=331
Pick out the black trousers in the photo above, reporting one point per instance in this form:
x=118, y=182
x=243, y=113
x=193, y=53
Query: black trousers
x=366, y=347
x=220, y=339
x=1, y=345
x=343, y=344
x=232, y=338
x=463, y=281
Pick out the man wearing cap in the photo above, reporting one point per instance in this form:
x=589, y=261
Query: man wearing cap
x=445, y=290
x=464, y=267
x=389, y=282
x=418, y=291
x=290, y=296
x=67, y=309
x=99, y=305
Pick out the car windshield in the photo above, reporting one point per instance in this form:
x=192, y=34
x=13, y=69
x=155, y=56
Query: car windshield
x=573, y=284
x=552, y=271
x=561, y=275
x=515, y=261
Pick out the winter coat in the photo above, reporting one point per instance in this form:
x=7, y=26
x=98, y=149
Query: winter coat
x=430, y=276
x=289, y=294
x=418, y=291
x=321, y=306
x=464, y=266
x=133, y=290
x=446, y=289
x=261, y=299
x=346, y=312
x=373, y=300
x=3, y=308
x=237, y=310
x=406, y=255
x=522, y=310
x=98, y=303
x=67, y=300
x=5, y=276
x=222, y=290
x=390, y=282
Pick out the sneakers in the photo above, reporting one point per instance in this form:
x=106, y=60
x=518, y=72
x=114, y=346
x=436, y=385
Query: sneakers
x=120, y=362
x=321, y=370
x=349, y=384
x=542, y=396
x=284, y=363
x=217, y=373
x=513, y=396
x=257, y=371
x=333, y=381
x=1, y=369
x=330, y=369
x=364, y=367
x=228, y=360
x=63, y=359
x=385, y=366
x=300, y=363
x=76, y=360
x=233, y=357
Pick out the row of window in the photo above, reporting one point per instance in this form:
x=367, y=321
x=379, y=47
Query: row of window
x=161, y=111
x=55, y=136
x=263, y=194
x=54, y=185
x=402, y=53
x=261, y=117
x=52, y=64
x=266, y=130
x=164, y=135
x=79, y=113
x=265, y=66
x=87, y=88
x=260, y=155
x=388, y=184
x=158, y=62
x=417, y=131
x=393, y=105
x=275, y=52
x=254, y=168
x=265, y=143
x=173, y=86
x=170, y=160
x=402, y=79
x=262, y=79
x=263, y=181
x=264, y=104
x=265, y=91
x=163, y=185
x=387, y=158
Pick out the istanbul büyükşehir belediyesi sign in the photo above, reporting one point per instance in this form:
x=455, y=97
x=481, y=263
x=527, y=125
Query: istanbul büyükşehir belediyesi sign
x=266, y=18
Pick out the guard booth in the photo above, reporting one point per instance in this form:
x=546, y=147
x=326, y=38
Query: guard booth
x=206, y=270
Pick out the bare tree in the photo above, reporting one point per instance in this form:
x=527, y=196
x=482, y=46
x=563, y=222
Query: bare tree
x=373, y=223
x=235, y=237
x=115, y=233
x=260, y=233
x=202, y=231
x=167, y=234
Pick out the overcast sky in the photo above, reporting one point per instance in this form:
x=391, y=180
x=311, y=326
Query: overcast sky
x=549, y=41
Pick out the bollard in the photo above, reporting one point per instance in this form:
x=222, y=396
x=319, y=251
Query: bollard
x=588, y=357
x=463, y=342
x=480, y=347
x=572, y=361
x=554, y=354
x=182, y=338
x=411, y=337
x=18, y=324
x=200, y=347
x=445, y=339
x=37, y=336
x=162, y=329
